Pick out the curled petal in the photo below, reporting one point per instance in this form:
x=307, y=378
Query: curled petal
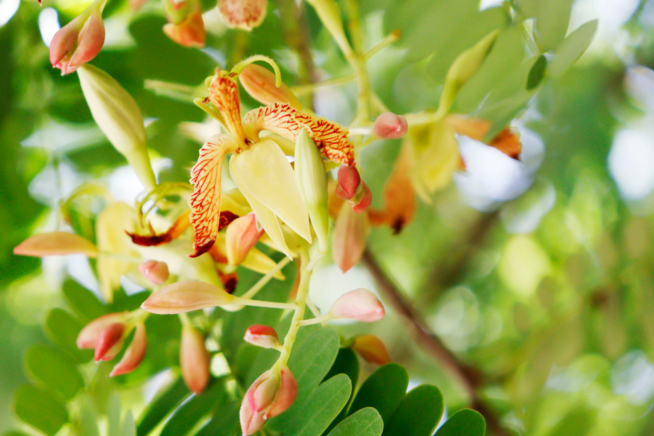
x=360, y=304
x=372, y=349
x=88, y=336
x=186, y=296
x=243, y=14
x=110, y=341
x=242, y=235
x=261, y=84
x=134, y=354
x=205, y=200
x=223, y=93
x=286, y=121
x=55, y=244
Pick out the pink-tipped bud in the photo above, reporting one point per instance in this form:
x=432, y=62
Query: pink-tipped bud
x=55, y=244
x=270, y=395
x=88, y=336
x=360, y=304
x=262, y=336
x=194, y=360
x=110, y=342
x=348, y=182
x=242, y=234
x=350, y=234
x=243, y=14
x=390, y=126
x=260, y=83
x=156, y=272
x=77, y=42
x=137, y=4
x=134, y=354
x=182, y=297
x=372, y=349
x=189, y=32
x=360, y=205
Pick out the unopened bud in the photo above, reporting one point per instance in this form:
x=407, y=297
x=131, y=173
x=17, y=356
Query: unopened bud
x=271, y=394
x=194, y=359
x=243, y=14
x=362, y=199
x=189, y=32
x=156, y=272
x=372, y=349
x=55, y=244
x=350, y=233
x=119, y=118
x=262, y=336
x=260, y=83
x=134, y=354
x=311, y=177
x=182, y=297
x=348, y=182
x=88, y=336
x=242, y=234
x=360, y=304
x=78, y=41
x=110, y=341
x=390, y=126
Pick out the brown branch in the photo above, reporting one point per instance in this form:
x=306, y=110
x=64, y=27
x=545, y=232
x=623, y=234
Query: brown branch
x=469, y=377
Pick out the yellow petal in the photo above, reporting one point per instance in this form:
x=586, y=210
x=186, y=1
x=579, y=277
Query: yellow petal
x=55, y=244
x=184, y=297
x=259, y=262
x=266, y=174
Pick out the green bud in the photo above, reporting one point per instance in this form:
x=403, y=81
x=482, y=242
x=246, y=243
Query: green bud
x=119, y=117
x=311, y=177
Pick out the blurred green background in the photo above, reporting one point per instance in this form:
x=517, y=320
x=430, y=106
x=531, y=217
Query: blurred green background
x=549, y=296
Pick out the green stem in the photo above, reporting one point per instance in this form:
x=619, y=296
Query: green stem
x=260, y=303
x=307, y=89
x=265, y=279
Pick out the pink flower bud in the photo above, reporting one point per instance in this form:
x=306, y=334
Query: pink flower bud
x=348, y=182
x=182, y=297
x=260, y=83
x=88, y=336
x=134, y=354
x=360, y=304
x=262, y=336
x=156, y=272
x=372, y=349
x=350, y=234
x=270, y=395
x=55, y=244
x=78, y=41
x=194, y=360
x=189, y=32
x=242, y=234
x=243, y=14
x=110, y=341
x=366, y=200
x=390, y=126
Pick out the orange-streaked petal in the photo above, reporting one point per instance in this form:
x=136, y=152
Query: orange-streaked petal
x=205, y=200
x=223, y=93
x=287, y=121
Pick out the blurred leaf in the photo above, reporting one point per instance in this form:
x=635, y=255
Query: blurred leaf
x=224, y=422
x=63, y=328
x=189, y=414
x=465, y=422
x=88, y=420
x=365, y=422
x=418, y=414
x=321, y=407
x=38, y=408
x=552, y=22
x=383, y=390
x=85, y=304
x=128, y=428
x=573, y=48
x=161, y=406
x=113, y=416
x=346, y=363
x=576, y=423
x=55, y=370
x=537, y=73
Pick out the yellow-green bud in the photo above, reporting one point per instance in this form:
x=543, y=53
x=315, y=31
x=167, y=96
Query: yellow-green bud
x=119, y=117
x=311, y=177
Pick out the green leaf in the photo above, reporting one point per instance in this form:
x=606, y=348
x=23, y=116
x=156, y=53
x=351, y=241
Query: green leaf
x=537, y=73
x=465, y=422
x=38, y=408
x=162, y=406
x=365, y=422
x=113, y=415
x=63, y=328
x=309, y=363
x=552, y=20
x=189, y=414
x=346, y=363
x=577, y=422
x=418, y=414
x=573, y=48
x=224, y=422
x=85, y=304
x=321, y=407
x=88, y=419
x=129, y=427
x=383, y=390
x=54, y=369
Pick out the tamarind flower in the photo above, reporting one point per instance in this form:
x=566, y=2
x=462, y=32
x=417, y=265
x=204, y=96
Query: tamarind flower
x=259, y=167
x=79, y=41
x=243, y=14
